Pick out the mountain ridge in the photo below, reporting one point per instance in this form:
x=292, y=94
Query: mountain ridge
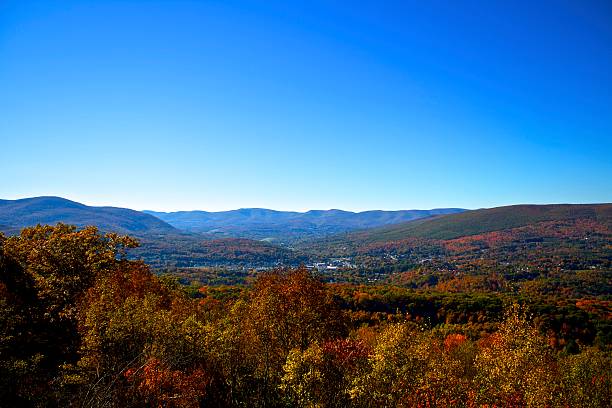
x=261, y=223
x=486, y=220
x=27, y=212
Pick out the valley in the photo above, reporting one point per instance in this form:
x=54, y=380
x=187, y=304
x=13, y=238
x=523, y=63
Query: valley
x=464, y=277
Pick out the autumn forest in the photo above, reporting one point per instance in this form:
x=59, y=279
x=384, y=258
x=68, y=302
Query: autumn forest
x=83, y=325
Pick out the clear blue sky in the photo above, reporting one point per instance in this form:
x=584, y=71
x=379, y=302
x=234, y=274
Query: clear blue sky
x=314, y=105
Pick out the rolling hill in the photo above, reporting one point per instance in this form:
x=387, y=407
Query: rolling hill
x=16, y=214
x=487, y=220
x=259, y=223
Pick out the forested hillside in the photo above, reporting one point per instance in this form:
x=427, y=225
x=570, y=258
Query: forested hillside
x=28, y=212
x=489, y=220
x=537, y=250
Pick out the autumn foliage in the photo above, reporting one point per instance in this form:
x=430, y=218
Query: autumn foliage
x=82, y=326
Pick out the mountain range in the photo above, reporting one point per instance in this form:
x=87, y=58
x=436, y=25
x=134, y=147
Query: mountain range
x=261, y=237
x=264, y=224
x=202, y=238
x=250, y=223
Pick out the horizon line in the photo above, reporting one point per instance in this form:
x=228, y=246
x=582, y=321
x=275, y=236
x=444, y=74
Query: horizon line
x=301, y=211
